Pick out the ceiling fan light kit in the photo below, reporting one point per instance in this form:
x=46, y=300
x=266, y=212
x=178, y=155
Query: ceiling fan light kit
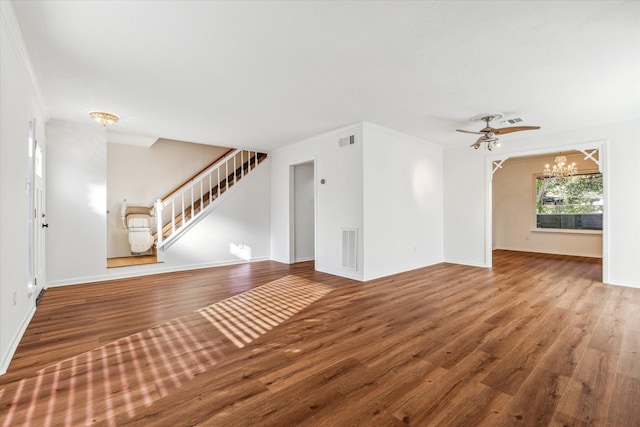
x=489, y=134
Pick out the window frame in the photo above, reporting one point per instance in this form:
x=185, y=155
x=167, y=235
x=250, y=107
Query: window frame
x=534, y=210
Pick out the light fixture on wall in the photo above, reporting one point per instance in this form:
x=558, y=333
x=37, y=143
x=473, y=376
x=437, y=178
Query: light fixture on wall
x=103, y=118
x=560, y=169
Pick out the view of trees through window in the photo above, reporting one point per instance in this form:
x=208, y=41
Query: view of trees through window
x=572, y=202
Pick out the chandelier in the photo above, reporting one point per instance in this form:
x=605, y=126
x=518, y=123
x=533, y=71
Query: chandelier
x=103, y=118
x=560, y=169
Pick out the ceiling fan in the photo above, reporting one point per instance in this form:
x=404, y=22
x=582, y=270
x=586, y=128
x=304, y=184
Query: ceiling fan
x=489, y=134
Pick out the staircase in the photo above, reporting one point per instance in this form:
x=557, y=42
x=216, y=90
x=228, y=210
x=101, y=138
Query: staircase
x=188, y=204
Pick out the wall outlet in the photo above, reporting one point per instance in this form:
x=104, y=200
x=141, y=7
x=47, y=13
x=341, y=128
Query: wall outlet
x=15, y=298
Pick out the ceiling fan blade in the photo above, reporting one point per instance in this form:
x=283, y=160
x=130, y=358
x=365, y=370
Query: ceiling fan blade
x=502, y=131
x=478, y=142
x=469, y=131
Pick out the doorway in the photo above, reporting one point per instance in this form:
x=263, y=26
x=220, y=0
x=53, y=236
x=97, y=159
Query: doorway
x=591, y=158
x=37, y=215
x=303, y=212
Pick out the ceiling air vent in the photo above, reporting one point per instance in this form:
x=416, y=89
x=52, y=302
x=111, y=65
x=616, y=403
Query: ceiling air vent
x=512, y=121
x=347, y=140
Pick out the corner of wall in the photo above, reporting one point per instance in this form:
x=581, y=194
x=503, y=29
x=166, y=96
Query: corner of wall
x=9, y=20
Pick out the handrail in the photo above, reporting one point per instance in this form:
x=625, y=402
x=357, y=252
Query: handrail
x=195, y=175
x=188, y=202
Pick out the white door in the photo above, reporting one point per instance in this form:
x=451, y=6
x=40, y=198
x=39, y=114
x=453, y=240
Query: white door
x=304, y=213
x=39, y=218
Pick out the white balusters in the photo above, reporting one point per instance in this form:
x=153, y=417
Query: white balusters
x=157, y=206
x=192, y=206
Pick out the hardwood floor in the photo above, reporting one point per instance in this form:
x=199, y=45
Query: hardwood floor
x=537, y=340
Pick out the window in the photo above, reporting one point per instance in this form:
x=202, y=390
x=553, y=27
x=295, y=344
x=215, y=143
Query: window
x=569, y=203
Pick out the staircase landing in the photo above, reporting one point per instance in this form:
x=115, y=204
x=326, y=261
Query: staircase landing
x=127, y=261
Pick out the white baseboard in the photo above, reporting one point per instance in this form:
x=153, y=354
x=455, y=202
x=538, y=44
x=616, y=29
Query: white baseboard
x=467, y=263
x=624, y=283
x=13, y=345
x=539, y=251
x=139, y=271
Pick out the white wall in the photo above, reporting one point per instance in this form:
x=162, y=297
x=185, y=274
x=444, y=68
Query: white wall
x=464, y=206
x=19, y=103
x=237, y=230
x=466, y=195
x=76, y=201
x=387, y=185
x=403, y=202
x=304, y=212
x=143, y=174
x=623, y=202
x=338, y=201
x=76, y=195
x=514, y=210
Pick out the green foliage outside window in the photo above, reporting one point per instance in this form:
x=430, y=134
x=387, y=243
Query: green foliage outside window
x=577, y=194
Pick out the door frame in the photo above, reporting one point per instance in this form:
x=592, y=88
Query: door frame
x=292, y=218
x=491, y=167
x=36, y=275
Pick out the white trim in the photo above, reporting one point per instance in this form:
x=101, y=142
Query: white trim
x=497, y=164
x=565, y=231
x=624, y=283
x=606, y=226
x=344, y=273
x=467, y=263
x=133, y=271
x=601, y=145
x=589, y=156
x=304, y=259
x=166, y=243
x=8, y=17
x=537, y=251
x=280, y=260
x=550, y=150
x=13, y=345
x=488, y=217
x=291, y=248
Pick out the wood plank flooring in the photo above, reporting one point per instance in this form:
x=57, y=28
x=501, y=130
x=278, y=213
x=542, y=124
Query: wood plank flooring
x=127, y=261
x=537, y=340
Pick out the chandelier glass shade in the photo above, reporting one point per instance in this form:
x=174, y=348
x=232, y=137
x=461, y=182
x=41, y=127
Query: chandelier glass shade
x=560, y=169
x=103, y=118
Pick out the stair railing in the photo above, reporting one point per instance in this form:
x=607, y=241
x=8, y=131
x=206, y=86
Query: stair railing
x=186, y=205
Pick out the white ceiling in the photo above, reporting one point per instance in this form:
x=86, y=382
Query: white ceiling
x=265, y=74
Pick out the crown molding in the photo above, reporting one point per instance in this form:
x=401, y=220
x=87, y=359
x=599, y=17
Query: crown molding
x=9, y=21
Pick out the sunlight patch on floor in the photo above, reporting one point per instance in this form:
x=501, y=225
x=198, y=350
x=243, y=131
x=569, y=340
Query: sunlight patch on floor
x=137, y=370
x=244, y=317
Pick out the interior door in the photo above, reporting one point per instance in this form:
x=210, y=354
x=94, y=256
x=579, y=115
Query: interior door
x=304, y=213
x=40, y=220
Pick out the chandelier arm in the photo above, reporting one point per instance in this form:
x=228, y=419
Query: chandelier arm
x=560, y=169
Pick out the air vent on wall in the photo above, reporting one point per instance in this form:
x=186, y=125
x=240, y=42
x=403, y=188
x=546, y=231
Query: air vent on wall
x=349, y=248
x=347, y=140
